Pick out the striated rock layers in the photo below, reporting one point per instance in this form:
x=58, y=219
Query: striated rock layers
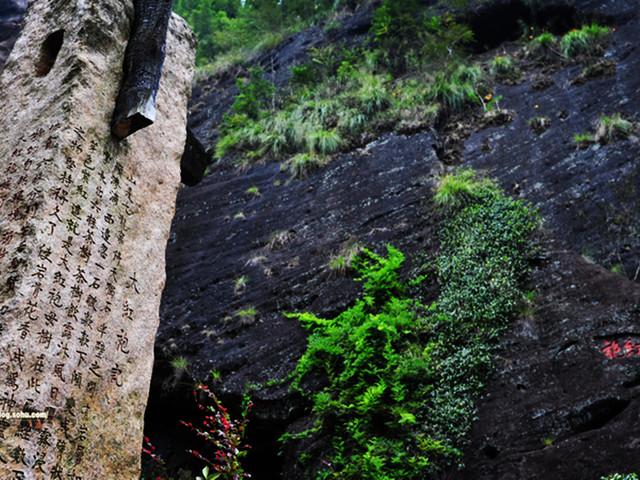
x=83, y=227
x=563, y=402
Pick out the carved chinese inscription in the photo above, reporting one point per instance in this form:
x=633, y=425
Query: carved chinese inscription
x=69, y=334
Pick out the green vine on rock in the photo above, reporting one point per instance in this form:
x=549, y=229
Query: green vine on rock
x=402, y=377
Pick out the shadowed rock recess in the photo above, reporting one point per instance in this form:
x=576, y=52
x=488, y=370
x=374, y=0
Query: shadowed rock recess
x=560, y=402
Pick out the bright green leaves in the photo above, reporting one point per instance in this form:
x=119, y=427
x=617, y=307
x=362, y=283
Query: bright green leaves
x=400, y=378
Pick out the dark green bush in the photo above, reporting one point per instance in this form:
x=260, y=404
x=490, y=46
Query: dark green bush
x=254, y=94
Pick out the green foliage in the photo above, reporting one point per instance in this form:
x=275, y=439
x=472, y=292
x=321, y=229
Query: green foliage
x=253, y=190
x=461, y=188
x=301, y=164
x=303, y=74
x=544, y=40
x=502, y=67
x=584, y=41
x=617, y=268
x=372, y=95
x=232, y=31
x=543, y=44
x=481, y=281
x=240, y=284
x=343, y=261
x=254, y=94
x=621, y=476
x=401, y=377
x=583, y=140
x=612, y=128
x=324, y=141
x=458, y=88
x=407, y=35
x=247, y=315
x=179, y=364
x=341, y=96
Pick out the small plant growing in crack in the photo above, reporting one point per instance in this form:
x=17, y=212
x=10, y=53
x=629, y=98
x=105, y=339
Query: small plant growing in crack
x=253, y=191
x=240, y=284
x=341, y=262
x=280, y=239
x=583, y=140
x=247, y=316
x=540, y=124
x=612, y=128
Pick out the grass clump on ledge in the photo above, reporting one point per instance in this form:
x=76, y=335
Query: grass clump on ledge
x=584, y=41
x=583, y=140
x=458, y=189
x=342, y=97
x=544, y=41
x=402, y=377
x=612, y=128
x=502, y=67
x=458, y=88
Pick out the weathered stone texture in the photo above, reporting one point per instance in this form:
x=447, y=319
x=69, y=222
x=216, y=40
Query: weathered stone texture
x=84, y=222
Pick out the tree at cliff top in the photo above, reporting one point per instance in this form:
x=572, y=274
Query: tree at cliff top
x=237, y=26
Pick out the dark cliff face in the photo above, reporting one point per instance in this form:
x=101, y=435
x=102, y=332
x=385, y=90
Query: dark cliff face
x=11, y=15
x=560, y=404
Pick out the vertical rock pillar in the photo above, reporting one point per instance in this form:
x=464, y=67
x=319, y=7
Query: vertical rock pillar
x=84, y=222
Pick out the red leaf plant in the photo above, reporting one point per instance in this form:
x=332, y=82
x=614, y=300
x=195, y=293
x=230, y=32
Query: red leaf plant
x=223, y=434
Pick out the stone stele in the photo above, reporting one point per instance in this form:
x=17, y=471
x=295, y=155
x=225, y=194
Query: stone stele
x=84, y=222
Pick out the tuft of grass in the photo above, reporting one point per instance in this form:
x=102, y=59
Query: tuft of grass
x=372, y=95
x=502, y=67
x=457, y=89
x=240, y=284
x=280, y=239
x=612, y=128
x=253, y=191
x=458, y=189
x=547, y=442
x=621, y=476
x=583, y=140
x=342, y=262
x=544, y=40
x=617, y=268
x=301, y=164
x=179, y=364
x=586, y=40
x=324, y=142
x=216, y=375
x=247, y=316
